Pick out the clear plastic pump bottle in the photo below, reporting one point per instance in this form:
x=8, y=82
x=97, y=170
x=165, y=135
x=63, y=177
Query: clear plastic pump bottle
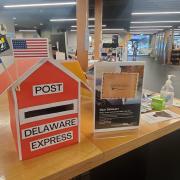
x=167, y=91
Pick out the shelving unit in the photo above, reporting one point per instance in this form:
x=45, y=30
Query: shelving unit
x=175, y=56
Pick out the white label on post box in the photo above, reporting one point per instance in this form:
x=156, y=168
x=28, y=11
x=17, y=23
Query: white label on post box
x=49, y=127
x=44, y=89
x=50, y=141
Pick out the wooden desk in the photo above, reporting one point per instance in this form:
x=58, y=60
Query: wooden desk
x=76, y=159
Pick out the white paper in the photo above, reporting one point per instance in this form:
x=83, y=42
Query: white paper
x=159, y=116
x=176, y=103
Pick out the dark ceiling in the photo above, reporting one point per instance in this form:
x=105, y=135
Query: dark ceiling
x=116, y=13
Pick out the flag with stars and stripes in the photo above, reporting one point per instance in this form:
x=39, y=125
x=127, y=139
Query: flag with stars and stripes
x=4, y=46
x=34, y=48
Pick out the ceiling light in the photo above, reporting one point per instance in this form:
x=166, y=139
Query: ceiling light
x=146, y=30
x=94, y=25
x=76, y=30
x=142, y=32
x=91, y=19
x=155, y=13
x=136, y=27
x=41, y=24
x=102, y=29
x=71, y=19
x=16, y=24
x=113, y=29
x=74, y=26
x=27, y=30
x=62, y=20
x=39, y=5
x=149, y=22
x=14, y=18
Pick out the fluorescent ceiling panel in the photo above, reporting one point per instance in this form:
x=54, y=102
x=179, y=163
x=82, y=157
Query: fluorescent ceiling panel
x=68, y=19
x=144, y=27
x=113, y=29
x=39, y=5
x=155, y=13
x=149, y=22
x=27, y=30
x=146, y=30
x=74, y=26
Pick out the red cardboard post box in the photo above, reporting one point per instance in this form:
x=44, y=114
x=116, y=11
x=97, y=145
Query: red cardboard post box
x=45, y=109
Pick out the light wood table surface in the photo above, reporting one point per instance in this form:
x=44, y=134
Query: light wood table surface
x=76, y=159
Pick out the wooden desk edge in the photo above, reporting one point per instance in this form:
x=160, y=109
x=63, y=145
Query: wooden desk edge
x=138, y=142
x=77, y=169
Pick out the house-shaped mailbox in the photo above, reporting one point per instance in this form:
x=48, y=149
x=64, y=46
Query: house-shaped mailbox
x=45, y=109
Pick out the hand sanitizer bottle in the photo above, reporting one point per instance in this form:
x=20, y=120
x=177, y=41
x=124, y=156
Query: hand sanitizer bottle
x=167, y=91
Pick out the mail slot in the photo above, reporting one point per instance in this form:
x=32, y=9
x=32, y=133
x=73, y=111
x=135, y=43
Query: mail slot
x=51, y=110
x=47, y=111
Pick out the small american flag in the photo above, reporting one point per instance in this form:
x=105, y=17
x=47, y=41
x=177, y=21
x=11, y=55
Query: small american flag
x=30, y=47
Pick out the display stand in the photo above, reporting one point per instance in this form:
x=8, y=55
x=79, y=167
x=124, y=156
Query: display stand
x=118, y=92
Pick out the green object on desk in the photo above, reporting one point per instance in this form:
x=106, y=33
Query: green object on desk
x=158, y=103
